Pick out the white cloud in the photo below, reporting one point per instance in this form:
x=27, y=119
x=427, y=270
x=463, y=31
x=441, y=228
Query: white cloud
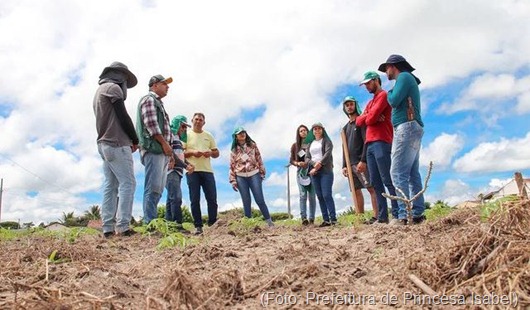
x=504, y=155
x=441, y=150
x=453, y=192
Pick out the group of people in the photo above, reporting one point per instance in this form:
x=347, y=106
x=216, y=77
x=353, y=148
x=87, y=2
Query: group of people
x=381, y=148
x=168, y=148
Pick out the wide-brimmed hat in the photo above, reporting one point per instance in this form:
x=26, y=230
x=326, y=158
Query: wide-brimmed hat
x=118, y=66
x=396, y=59
x=159, y=78
x=368, y=76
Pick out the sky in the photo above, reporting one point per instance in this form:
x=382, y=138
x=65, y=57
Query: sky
x=268, y=66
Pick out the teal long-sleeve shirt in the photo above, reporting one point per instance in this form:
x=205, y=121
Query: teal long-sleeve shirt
x=405, y=87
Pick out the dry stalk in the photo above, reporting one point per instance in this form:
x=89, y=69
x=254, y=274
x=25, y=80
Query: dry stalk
x=409, y=201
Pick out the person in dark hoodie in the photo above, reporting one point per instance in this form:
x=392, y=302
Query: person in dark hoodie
x=355, y=143
x=117, y=140
x=404, y=99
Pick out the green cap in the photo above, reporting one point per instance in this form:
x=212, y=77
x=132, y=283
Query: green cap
x=368, y=76
x=352, y=99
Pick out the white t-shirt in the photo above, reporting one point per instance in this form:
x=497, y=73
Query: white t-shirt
x=316, y=150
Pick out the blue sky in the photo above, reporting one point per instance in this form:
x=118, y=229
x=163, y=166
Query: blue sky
x=265, y=65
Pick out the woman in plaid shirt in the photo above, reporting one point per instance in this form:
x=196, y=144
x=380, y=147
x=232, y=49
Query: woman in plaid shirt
x=247, y=172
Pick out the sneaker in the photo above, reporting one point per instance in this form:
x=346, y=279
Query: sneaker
x=305, y=222
x=380, y=222
x=128, y=233
x=334, y=222
x=311, y=221
x=270, y=223
x=370, y=221
x=108, y=234
x=418, y=220
x=198, y=231
x=183, y=230
x=325, y=224
x=398, y=222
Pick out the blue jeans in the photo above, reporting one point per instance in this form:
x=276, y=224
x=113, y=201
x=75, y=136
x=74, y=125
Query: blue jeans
x=155, y=181
x=174, y=197
x=307, y=193
x=323, y=183
x=206, y=180
x=405, y=165
x=118, y=169
x=252, y=183
x=378, y=161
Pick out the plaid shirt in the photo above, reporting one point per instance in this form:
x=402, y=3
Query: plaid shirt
x=241, y=163
x=149, y=118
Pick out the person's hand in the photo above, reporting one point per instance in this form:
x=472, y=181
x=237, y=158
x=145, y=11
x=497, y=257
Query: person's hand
x=134, y=147
x=361, y=167
x=207, y=154
x=313, y=171
x=190, y=168
x=171, y=163
x=303, y=164
x=234, y=186
x=345, y=172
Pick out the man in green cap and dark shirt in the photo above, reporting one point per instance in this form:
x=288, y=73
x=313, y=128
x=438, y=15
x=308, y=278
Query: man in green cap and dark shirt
x=355, y=137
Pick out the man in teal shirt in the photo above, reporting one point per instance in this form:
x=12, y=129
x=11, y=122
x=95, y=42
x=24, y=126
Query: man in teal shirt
x=404, y=99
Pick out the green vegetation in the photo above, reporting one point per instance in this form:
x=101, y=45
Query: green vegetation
x=488, y=208
x=437, y=210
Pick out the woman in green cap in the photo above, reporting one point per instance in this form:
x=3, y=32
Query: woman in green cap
x=247, y=172
x=320, y=160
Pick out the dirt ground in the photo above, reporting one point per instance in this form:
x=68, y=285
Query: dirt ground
x=288, y=267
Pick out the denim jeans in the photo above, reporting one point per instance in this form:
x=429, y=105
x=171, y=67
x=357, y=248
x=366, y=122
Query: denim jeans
x=405, y=165
x=252, y=183
x=307, y=193
x=206, y=180
x=323, y=183
x=155, y=181
x=378, y=161
x=118, y=169
x=174, y=197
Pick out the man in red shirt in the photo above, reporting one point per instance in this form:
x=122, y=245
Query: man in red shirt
x=379, y=134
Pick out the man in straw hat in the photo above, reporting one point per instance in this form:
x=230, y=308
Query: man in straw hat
x=379, y=133
x=408, y=131
x=154, y=133
x=117, y=140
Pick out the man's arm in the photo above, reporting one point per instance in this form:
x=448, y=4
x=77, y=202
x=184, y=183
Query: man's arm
x=125, y=120
x=396, y=96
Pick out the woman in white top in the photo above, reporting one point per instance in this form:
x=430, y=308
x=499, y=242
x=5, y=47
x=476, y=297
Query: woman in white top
x=320, y=160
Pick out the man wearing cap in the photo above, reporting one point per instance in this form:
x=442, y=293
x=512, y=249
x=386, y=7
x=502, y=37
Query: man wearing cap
x=116, y=141
x=152, y=126
x=408, y=131
x=379, y=134
x=355, y=136
x=200, y=148
x=177, y=164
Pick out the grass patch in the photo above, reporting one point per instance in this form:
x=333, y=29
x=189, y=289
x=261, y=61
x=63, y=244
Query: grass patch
x=438, y=211
x=487, y=209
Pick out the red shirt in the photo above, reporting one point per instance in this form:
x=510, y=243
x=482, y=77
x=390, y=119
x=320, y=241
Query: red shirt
x=377, y=130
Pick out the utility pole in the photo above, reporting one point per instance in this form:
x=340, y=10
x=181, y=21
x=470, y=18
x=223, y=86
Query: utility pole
x=1, y=190
x=288, y=192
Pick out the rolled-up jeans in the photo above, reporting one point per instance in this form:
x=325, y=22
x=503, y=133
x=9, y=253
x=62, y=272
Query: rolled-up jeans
x=118, y=169
x=155, y=181
x=405, y=166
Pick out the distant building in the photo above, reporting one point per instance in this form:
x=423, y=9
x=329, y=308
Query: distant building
x=509, y=189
